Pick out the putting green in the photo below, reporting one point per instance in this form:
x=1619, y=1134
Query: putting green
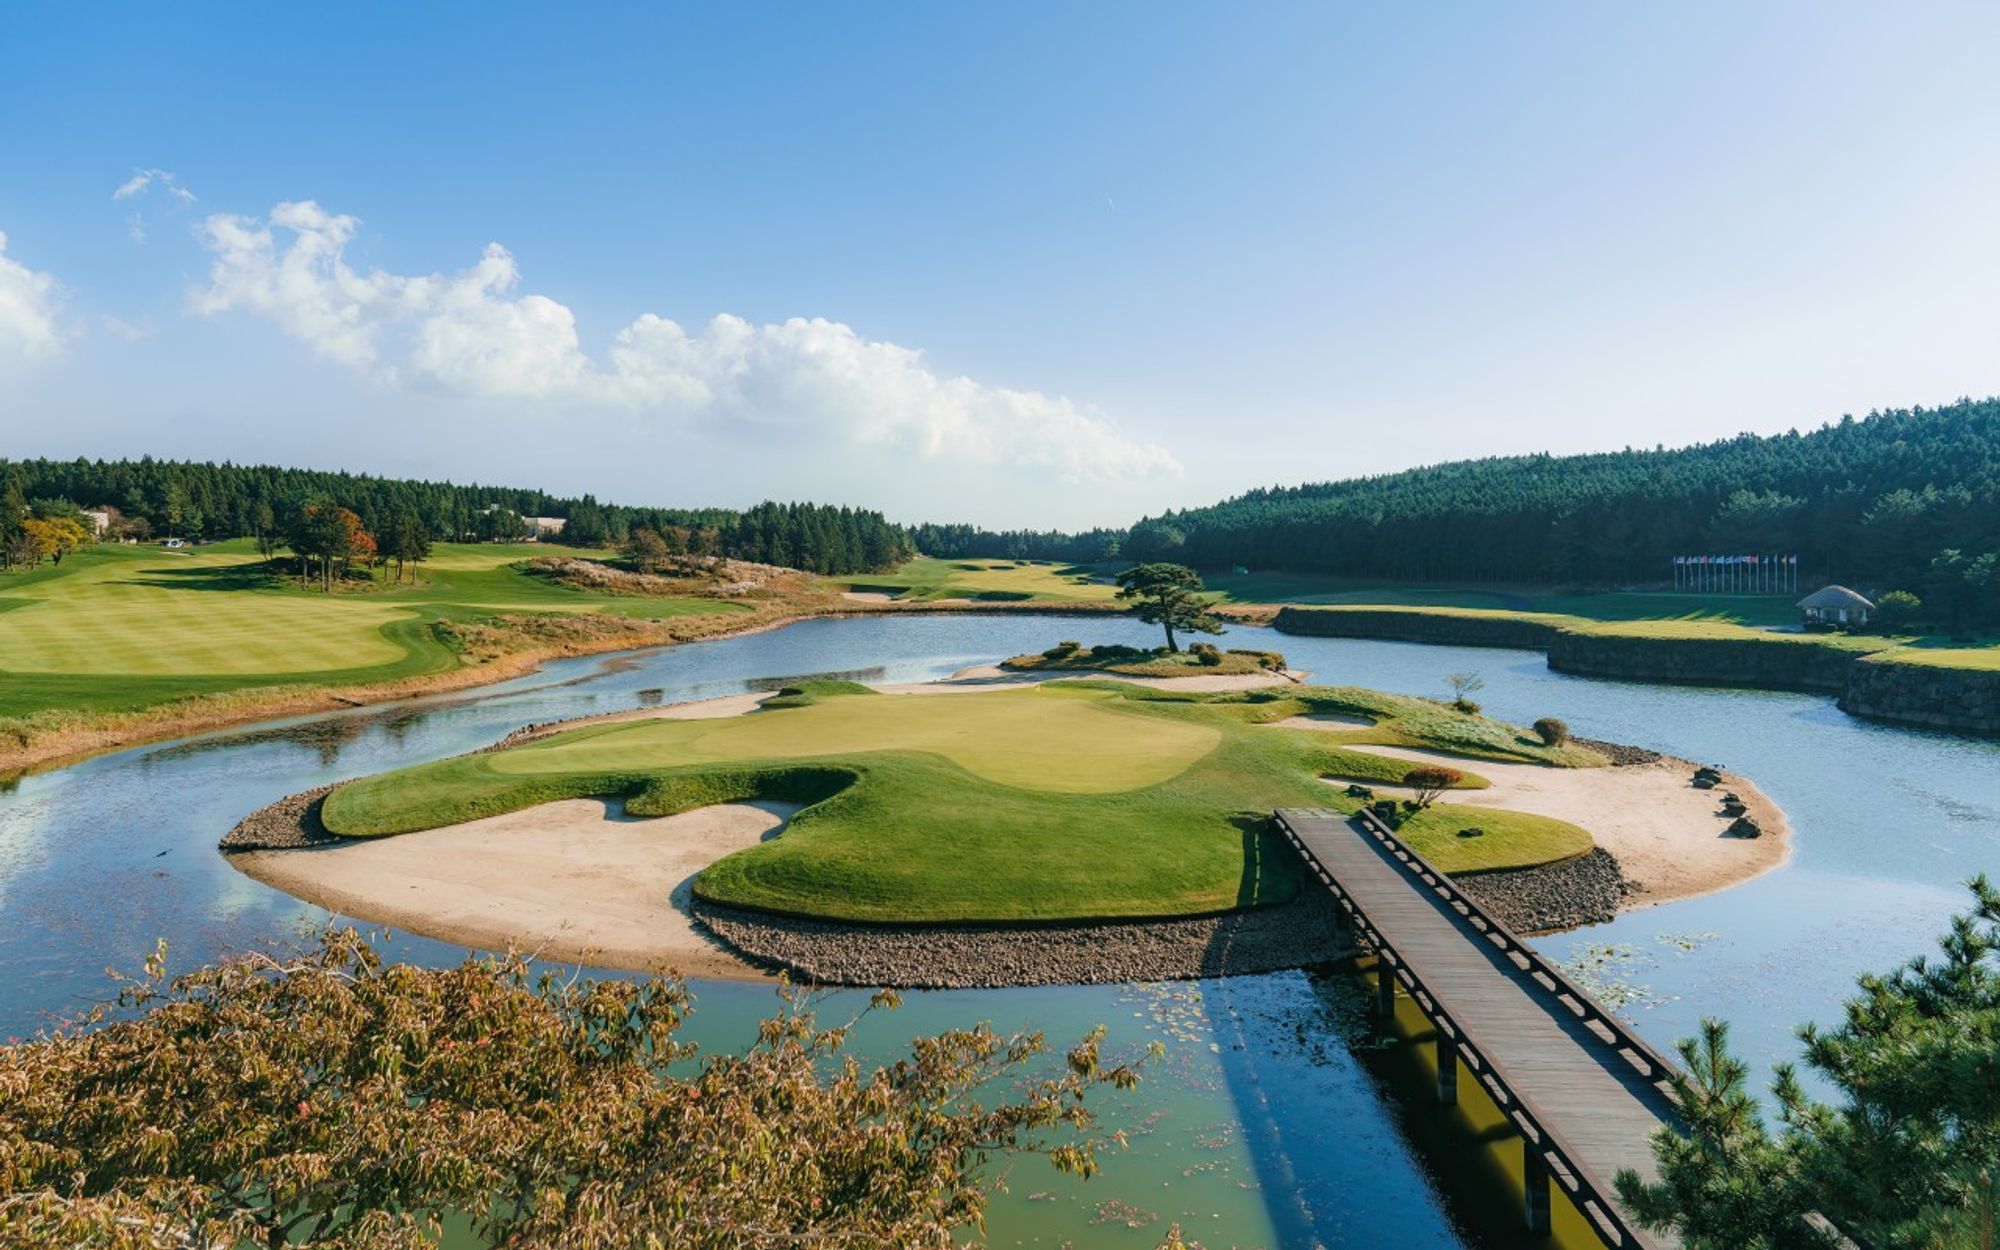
x=1068, y=742
x=1064, y=801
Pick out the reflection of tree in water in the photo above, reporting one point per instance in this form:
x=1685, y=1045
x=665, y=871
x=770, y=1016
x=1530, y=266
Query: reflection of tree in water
x=397, y=727
x=653, y=696
x=327, y=737
x=876, y=673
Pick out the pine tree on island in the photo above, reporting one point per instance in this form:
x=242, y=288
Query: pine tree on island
x=1168, y=595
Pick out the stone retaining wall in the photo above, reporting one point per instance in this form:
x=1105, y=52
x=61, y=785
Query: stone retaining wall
x=1451, y=630
x=1777, y=663
x=1963, y=700
x=1878, y=687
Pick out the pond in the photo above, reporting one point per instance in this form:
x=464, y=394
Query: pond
x=1269, y=1124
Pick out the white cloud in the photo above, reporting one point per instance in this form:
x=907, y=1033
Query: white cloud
x=28, y=327
x=127, y=330
x=144, y=178
x=473, y=333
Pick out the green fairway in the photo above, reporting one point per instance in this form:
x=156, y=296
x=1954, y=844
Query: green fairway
x=925, y=578
x=929, y=579
x=119, y=628
x=1066, y=801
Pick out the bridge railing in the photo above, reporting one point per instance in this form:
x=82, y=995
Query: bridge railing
x=1544, y=1146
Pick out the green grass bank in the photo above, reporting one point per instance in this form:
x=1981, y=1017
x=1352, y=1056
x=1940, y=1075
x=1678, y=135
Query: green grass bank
x=1088, y=800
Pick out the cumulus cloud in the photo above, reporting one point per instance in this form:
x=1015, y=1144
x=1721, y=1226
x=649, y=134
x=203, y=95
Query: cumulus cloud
x=28, y=329
x=144, y=178
x=474, y=332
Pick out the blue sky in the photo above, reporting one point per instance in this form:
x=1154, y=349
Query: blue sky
x=1022, y=265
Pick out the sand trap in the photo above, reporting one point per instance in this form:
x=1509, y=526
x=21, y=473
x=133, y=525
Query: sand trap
x=1325, y=721
x=1667, y=835
x=575, y=880
x=867, y=596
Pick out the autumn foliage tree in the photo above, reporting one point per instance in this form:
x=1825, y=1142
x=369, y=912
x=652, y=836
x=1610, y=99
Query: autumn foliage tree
x=330, y=536
x=1430, y=782
x=336, y=1100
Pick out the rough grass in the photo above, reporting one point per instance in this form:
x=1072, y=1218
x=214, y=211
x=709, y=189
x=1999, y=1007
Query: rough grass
x=1071, y=801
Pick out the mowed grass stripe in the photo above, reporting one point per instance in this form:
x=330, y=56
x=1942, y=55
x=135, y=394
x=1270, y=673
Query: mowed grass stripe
x=98, y=630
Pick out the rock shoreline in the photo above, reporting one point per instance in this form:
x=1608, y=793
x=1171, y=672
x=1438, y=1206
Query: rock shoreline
x=1552, y=897
x=290, y=824
x=1298, y=934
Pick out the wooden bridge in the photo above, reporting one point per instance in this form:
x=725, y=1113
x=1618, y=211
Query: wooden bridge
x=1584, y=1092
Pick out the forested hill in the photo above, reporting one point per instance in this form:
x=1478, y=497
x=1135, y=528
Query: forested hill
x=201, y=500
x=1871, y=502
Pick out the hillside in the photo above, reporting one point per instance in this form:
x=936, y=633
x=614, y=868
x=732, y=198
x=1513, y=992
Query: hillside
x=1871, y=502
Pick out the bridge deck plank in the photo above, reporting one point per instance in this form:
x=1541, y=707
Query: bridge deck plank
x=1602, y=1110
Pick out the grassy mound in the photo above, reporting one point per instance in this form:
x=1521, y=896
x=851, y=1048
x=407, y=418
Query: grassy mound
x=1133, y=662
x=1073, y=801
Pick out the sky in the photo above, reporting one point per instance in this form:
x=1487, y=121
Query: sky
x=1025, y=265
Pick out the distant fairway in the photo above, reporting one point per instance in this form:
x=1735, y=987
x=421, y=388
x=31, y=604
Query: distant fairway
x=117, y=628
x=925, y=578
x=164, y=616
x=1067, y=801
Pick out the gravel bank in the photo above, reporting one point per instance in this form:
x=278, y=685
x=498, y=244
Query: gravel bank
x=291, y=823
x=1587, y=890
x=1297, y=934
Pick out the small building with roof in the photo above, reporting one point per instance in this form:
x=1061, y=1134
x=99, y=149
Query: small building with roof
x=1830, y=607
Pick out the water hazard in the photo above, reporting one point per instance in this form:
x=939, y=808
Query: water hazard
x=1274, y=1120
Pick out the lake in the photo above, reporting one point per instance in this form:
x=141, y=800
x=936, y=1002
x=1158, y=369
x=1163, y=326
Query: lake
x=1274, y=1121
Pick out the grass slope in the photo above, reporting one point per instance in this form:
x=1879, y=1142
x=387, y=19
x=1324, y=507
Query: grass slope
x=1041, y=581
x=123, y=628
x=1069, y=801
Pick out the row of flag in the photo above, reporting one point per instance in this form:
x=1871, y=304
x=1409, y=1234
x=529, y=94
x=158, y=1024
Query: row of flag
x=1736, y=560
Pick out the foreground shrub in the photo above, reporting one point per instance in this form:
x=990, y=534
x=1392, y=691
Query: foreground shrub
x=1207, y=652
x=1552, y=730
x=1062, y=650
x=333, y=1099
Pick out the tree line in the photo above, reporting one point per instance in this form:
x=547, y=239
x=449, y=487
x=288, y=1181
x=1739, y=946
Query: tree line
x=1906, y=500
x=152, y=499
x=1869, y=502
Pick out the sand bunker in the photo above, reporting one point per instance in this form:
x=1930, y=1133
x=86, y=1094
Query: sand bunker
x=575, y=880
x=1668, y=837
x=1326, y=720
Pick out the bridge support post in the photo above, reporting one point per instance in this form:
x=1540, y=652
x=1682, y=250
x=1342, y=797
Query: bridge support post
x=1385, y=989
x=1535, y=1207
x=1447, y=1058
